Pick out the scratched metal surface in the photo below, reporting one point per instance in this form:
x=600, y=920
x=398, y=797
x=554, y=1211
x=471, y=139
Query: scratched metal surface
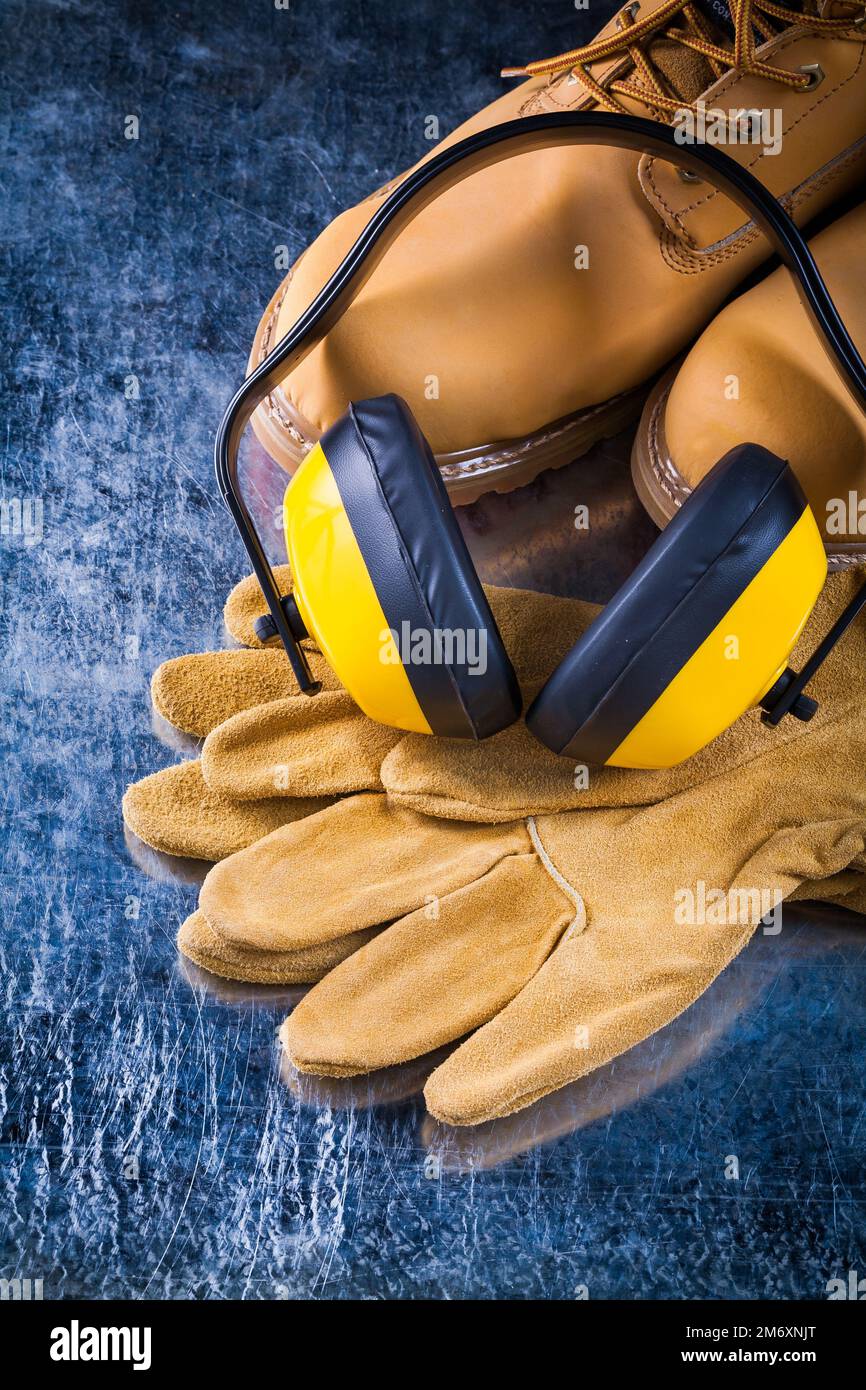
x=151, y=1143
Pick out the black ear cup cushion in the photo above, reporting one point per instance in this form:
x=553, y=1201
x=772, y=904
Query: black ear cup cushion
x=420, y=567
x=707, y=555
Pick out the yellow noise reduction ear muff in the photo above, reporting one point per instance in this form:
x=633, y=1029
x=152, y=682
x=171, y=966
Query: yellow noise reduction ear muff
x=385, y=585
x=701, y=631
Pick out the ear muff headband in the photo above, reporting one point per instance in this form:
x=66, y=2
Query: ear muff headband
x=426, y=183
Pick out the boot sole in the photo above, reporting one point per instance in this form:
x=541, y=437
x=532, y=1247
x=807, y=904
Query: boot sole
x=469, y=473
x=661, y=487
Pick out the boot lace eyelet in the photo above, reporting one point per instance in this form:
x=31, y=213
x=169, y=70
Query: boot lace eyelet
x=815, y=73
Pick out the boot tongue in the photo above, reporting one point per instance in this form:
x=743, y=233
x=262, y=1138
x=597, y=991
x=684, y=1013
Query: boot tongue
x=687, y=72
x=718, y=12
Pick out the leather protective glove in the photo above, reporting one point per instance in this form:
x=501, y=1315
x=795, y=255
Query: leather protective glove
x=271, y=756
x=657, y=1062
x=557, y=941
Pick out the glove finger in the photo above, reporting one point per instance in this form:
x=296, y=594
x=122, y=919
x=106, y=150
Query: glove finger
x=509, y=777
x=297, y=747
x=387, y=1087
x=198, y=692
x=203, y=946
x=854, y=899
x=512, y=775
x=358, y=864
x=640, y=1072
x=637, y=965
x=175, y=812
x=846, y=889
x=590, y=1002
x=433, y=976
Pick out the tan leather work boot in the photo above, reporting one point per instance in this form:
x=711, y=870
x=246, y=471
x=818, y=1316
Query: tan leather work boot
x=519, y=313
x=760, y=373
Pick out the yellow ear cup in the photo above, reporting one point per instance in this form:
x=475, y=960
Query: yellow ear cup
x=702, y=629
x=385, y=584
x=740, y=660
x=337, y=601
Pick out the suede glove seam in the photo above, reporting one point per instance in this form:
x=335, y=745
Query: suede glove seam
x=579, y=921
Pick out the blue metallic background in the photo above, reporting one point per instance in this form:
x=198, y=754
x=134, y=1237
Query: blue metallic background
x=151, y=1144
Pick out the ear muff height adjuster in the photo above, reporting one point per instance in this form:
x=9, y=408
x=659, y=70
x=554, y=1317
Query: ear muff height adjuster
x=265, y=628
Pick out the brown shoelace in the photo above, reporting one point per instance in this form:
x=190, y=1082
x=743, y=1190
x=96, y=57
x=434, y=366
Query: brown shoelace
x=755, y=22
